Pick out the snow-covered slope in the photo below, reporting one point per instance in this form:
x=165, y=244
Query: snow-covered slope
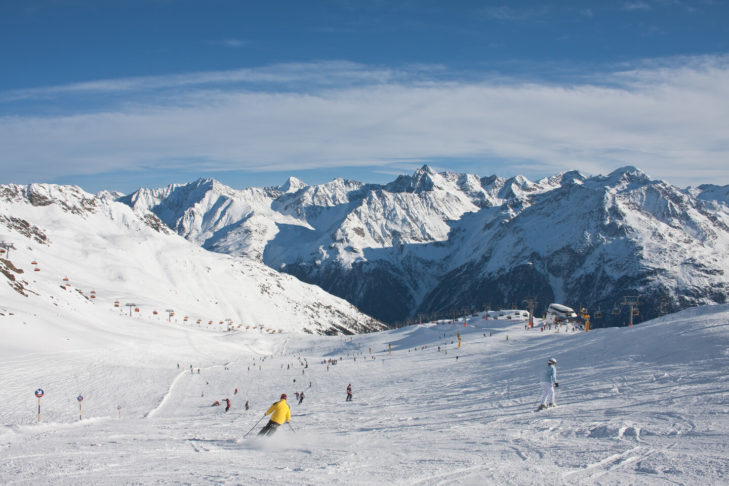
x=645, y=405
x=434, y=242
x=74, y=253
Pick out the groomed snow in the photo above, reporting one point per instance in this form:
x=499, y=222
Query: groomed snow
x=641, y=405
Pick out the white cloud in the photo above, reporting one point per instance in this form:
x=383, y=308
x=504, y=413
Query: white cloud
x=235, y=43
x=331, y=73
x=662, y=118
x=637, y=5
x=507, y=13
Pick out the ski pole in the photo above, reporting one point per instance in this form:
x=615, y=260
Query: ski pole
x=292, y=429
x=259, y=421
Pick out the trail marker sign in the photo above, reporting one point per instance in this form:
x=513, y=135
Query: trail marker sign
x=39, y=393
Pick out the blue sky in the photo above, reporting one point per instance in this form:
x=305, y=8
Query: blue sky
x=117, y=95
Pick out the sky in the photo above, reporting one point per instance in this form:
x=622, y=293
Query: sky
x=114, y=95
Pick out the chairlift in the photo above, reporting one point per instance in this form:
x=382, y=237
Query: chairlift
x=598, y=314
x=616, y=310
x=636, y=312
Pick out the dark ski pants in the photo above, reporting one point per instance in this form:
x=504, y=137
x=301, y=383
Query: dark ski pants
x=269, y=429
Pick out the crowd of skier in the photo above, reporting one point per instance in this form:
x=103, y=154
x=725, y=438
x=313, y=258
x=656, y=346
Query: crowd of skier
x=280, y=411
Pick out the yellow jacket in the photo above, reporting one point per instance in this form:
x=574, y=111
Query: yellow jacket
x=281, y=411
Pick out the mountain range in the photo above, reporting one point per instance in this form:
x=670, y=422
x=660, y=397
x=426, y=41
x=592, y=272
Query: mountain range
x=441, y=243
x=66, y=254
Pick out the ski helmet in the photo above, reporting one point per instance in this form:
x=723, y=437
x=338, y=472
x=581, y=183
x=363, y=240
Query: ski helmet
x=552, y=361
x=283, y=396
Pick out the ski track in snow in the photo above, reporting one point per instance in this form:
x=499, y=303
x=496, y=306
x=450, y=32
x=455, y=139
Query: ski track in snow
x=166, y=396
x=628, y=412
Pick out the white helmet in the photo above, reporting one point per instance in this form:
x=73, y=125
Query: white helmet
x=552, y=361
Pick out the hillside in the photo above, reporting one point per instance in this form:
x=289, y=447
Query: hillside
x=640, y=405
x=73, y=254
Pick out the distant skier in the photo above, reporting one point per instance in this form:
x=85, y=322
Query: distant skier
x=235, y=392
x=227, y=404
x=247, y=407
x=549, y=383
x=349, y=393
x=301, y=397
x=280, y=413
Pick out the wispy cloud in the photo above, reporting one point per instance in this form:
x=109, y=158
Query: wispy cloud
x=312, y=76
x=636, y=5
x=661, y=116
x=505, y=12
x=234, y=43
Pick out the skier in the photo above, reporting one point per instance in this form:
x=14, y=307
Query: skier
x=227, y=404
x=549, y=383
x=280, y=413
x=349, y=393
x=301, y=397
x=247, y=405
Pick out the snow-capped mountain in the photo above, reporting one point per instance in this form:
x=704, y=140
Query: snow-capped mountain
x=66, y=250
x=440, y=242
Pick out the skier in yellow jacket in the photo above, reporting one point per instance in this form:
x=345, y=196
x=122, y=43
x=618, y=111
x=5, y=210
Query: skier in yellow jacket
x=280, y=413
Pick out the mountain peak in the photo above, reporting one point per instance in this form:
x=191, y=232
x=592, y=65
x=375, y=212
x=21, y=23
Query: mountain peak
x=422, y=180
x=627, y=174
x=425, y=169
x=292, y=184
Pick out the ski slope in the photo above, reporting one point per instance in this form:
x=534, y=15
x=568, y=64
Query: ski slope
x=72, y=252
x=641, y=405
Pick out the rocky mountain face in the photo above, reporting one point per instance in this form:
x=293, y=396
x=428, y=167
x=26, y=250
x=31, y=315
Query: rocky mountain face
x=442, y=243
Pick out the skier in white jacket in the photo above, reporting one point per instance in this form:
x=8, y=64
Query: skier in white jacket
x=549, y=383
